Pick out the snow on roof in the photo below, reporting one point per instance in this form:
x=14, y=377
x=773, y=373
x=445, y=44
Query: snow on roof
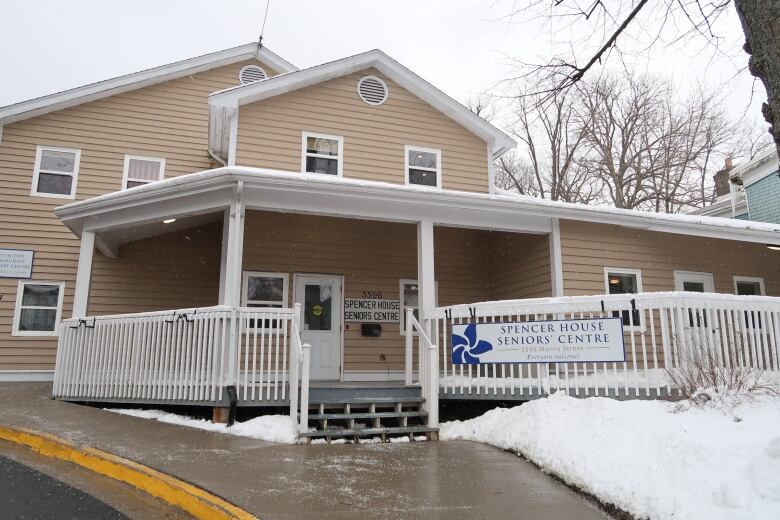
x=698, y=225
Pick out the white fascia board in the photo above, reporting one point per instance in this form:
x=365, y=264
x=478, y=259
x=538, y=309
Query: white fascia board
x=244, y=94
x=193, y=193
x=765, y=163
x=144, y=78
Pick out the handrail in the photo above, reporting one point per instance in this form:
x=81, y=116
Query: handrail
x=595, y=302
x=428, y=361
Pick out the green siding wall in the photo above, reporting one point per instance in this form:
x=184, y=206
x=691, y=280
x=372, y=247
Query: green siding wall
x=764, y=199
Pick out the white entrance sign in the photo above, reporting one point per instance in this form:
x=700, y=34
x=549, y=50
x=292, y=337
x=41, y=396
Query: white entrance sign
x=554, y=341
x=15, y=263
x=372, y=310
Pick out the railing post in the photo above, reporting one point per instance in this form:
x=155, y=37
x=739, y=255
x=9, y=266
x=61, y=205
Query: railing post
x=295, y=363
x=408, y=360
x=304, y=421
x=433, y=386
x=231, y=378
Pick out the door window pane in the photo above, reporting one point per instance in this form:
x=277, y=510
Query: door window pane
x=318, y=307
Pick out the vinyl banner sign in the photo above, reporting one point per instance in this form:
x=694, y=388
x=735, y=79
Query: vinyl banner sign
x=555, y=341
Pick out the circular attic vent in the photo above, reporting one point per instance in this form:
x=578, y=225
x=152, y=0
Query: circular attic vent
x=251, y=73
x=372, y=90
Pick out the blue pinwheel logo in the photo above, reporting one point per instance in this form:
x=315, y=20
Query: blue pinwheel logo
x=466, y=349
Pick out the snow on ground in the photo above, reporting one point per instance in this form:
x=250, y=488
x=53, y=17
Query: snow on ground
x=653, y=459
x=272, y=428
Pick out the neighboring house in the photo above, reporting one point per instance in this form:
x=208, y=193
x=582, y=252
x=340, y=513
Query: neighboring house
x=750, y=191
x=233, y=186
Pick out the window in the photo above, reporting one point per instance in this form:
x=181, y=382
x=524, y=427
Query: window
x=423, y=166
x=748, y=286
x=265, y=290
x=693, y=282
x=625, y=281
x=142, y=170
x=38, y=308
x=409, y=293
x=55, y=173
x=322, y=154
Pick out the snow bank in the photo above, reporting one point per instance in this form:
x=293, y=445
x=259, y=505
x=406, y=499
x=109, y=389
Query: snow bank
x=649, y=458
x=272, y=428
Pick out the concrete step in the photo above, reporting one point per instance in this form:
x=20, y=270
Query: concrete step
x=367, y=415
x=369, y=432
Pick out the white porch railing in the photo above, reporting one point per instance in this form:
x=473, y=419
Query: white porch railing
x=428, y=370
x=661, y=331
x=186, y=355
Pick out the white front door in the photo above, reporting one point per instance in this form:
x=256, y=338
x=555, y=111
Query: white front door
x=320, y=298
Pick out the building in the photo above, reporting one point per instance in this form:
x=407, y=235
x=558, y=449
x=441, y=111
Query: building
x=230, y=222
x=750, y=191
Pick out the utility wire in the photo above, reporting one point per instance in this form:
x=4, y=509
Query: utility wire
x=262, y=28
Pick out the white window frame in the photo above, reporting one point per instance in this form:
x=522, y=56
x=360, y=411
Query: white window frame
x=37, y=171
x=694, y=276
x=264, y=274
x=639, y=289
x=411, y=147
x=339, y=157
x=402, y=315
x=18, y=309
x=750, y=279
x=126, y=169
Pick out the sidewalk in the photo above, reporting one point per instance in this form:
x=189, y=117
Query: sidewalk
x=405, y=480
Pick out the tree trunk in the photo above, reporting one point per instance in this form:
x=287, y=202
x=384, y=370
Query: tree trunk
x=761, y=24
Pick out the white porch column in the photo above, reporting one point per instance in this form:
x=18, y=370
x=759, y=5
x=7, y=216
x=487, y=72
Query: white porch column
x=232, y=251
x=556, y=264
x=84, y=274
x=426, y=283
x=231, y=280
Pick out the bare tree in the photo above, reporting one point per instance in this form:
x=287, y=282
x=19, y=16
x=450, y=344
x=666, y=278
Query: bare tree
x=611, y=22
x=649, y=150
x=552, y=136
x=513, y=173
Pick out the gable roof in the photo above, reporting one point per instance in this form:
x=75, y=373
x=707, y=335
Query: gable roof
x=76, y=96
x=223, y=104
x=757, y=168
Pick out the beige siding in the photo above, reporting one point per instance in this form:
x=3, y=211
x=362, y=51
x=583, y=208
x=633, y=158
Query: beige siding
x=168, y=120
x=588, y=248
x=520, y=266
x=269, y=133
x=172, y=271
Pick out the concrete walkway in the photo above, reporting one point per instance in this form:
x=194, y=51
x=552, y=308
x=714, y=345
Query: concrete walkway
x=404, y=480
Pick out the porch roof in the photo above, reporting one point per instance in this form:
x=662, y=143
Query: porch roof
x=138, y=212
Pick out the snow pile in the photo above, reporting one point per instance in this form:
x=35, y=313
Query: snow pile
x=649, y=458
x=272, y=428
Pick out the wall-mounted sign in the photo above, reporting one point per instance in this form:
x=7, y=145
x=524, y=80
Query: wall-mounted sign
x=16, y=263
x=555, y=341
x=372, y=310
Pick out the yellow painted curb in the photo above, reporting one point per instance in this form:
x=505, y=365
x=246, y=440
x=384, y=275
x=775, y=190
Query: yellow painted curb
x=196, y=501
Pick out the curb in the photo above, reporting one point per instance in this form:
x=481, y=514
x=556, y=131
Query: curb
x=196, y=501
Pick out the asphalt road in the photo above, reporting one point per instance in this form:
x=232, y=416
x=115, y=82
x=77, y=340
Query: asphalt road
x=28, y=494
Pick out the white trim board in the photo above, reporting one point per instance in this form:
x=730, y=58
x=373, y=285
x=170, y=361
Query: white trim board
x=210, y=191
x=144, y=78
x=26, y=375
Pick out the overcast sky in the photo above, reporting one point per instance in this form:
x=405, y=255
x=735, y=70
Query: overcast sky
x=462, y=47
